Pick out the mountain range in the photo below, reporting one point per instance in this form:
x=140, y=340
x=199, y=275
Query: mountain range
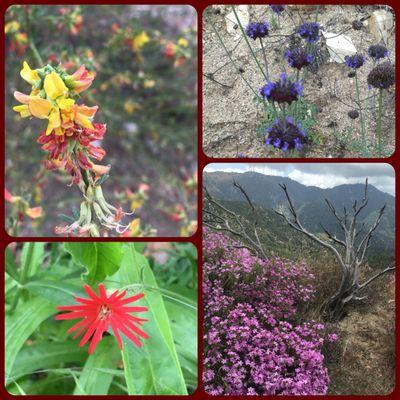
x=309, y=201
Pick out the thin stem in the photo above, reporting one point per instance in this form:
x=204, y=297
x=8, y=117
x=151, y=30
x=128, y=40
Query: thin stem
x=166, y=293
x=363, y=138
x=31, y=42
x=265, y=58
x=379, y=127
x=230, y=58
x=248, y=43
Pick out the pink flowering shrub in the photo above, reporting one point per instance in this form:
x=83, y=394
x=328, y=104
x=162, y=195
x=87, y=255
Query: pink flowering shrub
x=252, y=346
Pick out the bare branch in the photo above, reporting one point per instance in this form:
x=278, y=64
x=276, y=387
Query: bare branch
x=387, y=269
x=333, y=238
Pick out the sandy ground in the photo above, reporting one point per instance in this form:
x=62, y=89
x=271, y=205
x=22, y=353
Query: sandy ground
x=232, y=122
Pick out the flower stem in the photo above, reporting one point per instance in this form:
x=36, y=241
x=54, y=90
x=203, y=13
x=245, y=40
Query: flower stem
x=379, y=127
x=31, y=42
x=248, y=43
x=231, y=59
x=363, y=138
x=265, y=58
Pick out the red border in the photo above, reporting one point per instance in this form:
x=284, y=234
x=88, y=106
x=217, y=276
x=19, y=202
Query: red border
x=203, y=160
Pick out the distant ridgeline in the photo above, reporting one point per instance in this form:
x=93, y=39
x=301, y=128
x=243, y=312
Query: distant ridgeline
x=309, y=201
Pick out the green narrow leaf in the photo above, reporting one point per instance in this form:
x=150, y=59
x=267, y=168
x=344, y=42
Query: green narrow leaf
x=21, y=324
x=11, y=266
x=183, y=322
x=44, y=355
x=100, y=259
x=154, y=368
x=96, y=378
x=36, y=257
x=58, y=293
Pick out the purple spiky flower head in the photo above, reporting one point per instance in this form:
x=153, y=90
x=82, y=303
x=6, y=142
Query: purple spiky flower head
x=355, y=61
x=282, y=91
x=257, y=30
x=377, y=52
x=285, y=134
x=277, y=8
x=309, y=31
x=298, y=58
x=382, y=76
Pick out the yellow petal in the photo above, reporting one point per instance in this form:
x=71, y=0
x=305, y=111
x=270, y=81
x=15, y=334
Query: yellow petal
x=65, y=104
x=54, y=121
x=28, y=74
x=54, y=86
x=23, y=110
x=12, y=26
x=34, y=212
x=39, y=108
x=83, y=121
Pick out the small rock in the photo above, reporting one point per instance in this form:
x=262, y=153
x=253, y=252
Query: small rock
x=380, y=24
x=339, y=46
x=231, y=21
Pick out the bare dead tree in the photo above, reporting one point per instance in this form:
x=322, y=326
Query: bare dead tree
x=350, y=250
x=219, y=218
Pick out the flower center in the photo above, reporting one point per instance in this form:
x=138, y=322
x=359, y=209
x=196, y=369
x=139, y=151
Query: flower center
x=104, y=312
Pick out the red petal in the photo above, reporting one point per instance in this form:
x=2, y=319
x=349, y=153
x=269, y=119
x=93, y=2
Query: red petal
x=102, y=292
x=67, y=308
x=97, y=336
x=135, y=319
x=135, y=329
x=89, y=332
x=116, y=334
x=131, y=299
x=91, y=294
x=71, y=315
x=113, y=295
x=132, y=309
x=129, y=335
x=84, y=301
x=77, y=325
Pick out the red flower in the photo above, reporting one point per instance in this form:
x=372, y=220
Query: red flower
x=100, y=312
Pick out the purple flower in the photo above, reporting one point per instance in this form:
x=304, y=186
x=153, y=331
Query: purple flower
x=377, y=52
x=282, y=91
x=382, y=76
x=309, y=31
x=251, y=345
x=355, y=61
x=277, y=8
x=332, y=337
x=256, y=30
x=285, y=134
x=298, y=58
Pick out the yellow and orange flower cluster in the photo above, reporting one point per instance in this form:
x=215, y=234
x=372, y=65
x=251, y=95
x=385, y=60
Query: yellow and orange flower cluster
x=70, y=139
x=53, y=96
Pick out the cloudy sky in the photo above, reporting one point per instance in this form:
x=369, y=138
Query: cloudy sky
x=324, y=175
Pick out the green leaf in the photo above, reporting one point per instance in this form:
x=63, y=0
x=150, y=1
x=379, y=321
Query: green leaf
x=11, y=266
x=95, y=378
x=36, y=257
x=100, y=259
x=21, y=324
x=154, y=368
x=58, y=293
x=44, y=355
x=183, y=322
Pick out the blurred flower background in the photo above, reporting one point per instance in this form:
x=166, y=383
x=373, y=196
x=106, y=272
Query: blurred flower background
x=145, y=61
